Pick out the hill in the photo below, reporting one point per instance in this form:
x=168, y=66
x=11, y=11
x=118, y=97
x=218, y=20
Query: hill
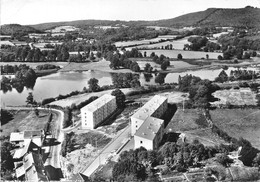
x=248, y=17
x=85, y=23
x=14, y=29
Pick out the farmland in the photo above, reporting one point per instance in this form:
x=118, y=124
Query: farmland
x=242, y=96
x=239, y=123
x=145, y=41
x=185, y=54
x=176, y=44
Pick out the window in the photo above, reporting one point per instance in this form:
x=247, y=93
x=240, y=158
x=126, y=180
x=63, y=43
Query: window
x=141, y=142
x=136, y=126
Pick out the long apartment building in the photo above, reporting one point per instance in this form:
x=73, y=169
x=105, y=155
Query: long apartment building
x=146, y=127
x=97, y=111
x=153, y=108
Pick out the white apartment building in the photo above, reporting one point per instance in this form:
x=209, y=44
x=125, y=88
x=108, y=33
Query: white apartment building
x=149, y=134
x=153, y=108
x=98, y=110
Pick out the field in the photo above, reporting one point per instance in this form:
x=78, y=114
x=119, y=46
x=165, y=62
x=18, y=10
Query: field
x=185, y=54
x=25, y=120
x=239, y=123
x=174, y=65
x=101, y=65
x=176, y=44
x=145, y=41
x=242, y=96
x=192, y=123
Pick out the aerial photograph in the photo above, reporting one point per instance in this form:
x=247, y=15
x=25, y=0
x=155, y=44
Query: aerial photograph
x=130, y=90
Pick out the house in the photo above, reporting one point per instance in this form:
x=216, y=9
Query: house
x=154, y=107
x=28, y=147
x=19, y=138
x=97, y=111
x=31, y=168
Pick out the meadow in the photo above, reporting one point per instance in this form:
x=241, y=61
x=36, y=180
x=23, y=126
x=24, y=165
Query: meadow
x=185, y=54
x=239, y=123
x=26, y=120
x=193, y=124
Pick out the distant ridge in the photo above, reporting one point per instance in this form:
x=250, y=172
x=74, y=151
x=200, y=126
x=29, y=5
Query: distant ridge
x=248, y=17
x=11, y=29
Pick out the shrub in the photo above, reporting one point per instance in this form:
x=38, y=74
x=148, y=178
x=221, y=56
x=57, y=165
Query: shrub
x=220, y=57
x=179, y=56
x=47, y=101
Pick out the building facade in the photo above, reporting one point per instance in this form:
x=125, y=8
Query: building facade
x=97, y=111
x=153, y=108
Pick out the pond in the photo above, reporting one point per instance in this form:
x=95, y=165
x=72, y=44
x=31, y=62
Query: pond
x=66, y=82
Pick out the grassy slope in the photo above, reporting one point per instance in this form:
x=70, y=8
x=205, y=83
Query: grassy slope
x=239, y=123
x=194, y=127
x=25, y=120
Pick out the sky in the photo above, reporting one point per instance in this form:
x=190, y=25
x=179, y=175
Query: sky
x=26, y=12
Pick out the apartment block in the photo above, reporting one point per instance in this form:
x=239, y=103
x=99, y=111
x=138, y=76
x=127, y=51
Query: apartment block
x=153, y=108
x=149, y=134
x=97, y=111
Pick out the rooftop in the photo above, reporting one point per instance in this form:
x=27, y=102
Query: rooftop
x=16, y=136
x=34, y=169
x=149, y=108
x=22, y=151
x=149, y=128
x=96, y=104
x=20, y=136
x=20, y=171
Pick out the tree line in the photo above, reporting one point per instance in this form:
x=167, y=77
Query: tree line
x=239, y=74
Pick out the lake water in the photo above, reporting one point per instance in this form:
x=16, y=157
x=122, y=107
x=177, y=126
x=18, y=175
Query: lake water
x=66, y=82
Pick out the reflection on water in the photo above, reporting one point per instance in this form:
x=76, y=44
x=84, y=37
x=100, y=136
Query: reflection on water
x=66, y=82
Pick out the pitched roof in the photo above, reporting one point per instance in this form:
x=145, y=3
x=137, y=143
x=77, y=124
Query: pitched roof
x=20, y=171
x=149, y=128
x=22, y=151
x=149, y=108
x=34, y=169
x=96, y=104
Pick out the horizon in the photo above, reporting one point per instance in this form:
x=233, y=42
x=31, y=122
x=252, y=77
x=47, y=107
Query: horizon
x=31, y=12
